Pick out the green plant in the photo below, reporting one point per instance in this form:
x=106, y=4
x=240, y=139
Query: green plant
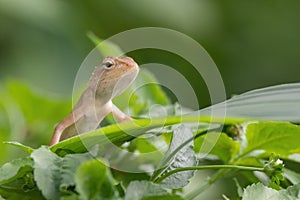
x=251, y=149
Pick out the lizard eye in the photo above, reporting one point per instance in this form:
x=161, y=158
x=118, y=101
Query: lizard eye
x=108, y=64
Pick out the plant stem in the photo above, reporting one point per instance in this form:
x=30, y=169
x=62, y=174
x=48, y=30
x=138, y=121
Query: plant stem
x=160, y=179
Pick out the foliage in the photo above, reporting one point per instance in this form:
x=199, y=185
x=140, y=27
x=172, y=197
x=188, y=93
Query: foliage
x=260, y=192
x=77, y=169
x=164, y=151
x=26, y=114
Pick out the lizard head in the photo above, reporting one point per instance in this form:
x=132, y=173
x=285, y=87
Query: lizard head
x=116, y=75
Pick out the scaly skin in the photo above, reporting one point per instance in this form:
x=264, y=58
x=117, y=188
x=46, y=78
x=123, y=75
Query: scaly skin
x=108, y=80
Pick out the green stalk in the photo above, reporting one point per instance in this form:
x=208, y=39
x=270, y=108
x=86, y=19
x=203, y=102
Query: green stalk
x=122, y=132
x=160, y=179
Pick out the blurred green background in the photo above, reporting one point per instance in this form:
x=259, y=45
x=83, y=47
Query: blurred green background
x=43, y=43
x=254, y=43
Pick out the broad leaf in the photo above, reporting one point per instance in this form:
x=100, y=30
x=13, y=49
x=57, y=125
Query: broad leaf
x=225, y=148
x=293, y=191
x=16, y=180
x=178, y=156
x=15, y=169
x=260, y=192
x=272, y=137
x=146, y=151
x=69, y=165
x=144, y=190
x=94, y=181
x=11, y=193
x=47, y=172
x=55, y=175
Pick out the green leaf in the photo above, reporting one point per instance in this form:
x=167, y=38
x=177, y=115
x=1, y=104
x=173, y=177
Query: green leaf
x=225, y=148
x=279, y=103
x=146, y=145
x=94, y=181
x=142, y=151
x=148, y=90
x=291, y=176
x=21, y=146
x=250, y=161
x=260, y=192
x=272, y=137
x=178, y=156
x=55, y=175
x=144, y=190
x=15, y=169
x=69, y=165
x=116, y=133
x=34, y=112
x=70, y=197
x=12, y=194
x=126, y=178
x=106, y=47
x=16, y=180
x=47, y=172
x=293, y=191
x=120, y=133
x=26, y=114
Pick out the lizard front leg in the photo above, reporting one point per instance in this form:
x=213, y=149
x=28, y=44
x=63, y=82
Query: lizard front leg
x=63, y=125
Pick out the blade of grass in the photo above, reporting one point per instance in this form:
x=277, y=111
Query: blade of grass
x=119, y=133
